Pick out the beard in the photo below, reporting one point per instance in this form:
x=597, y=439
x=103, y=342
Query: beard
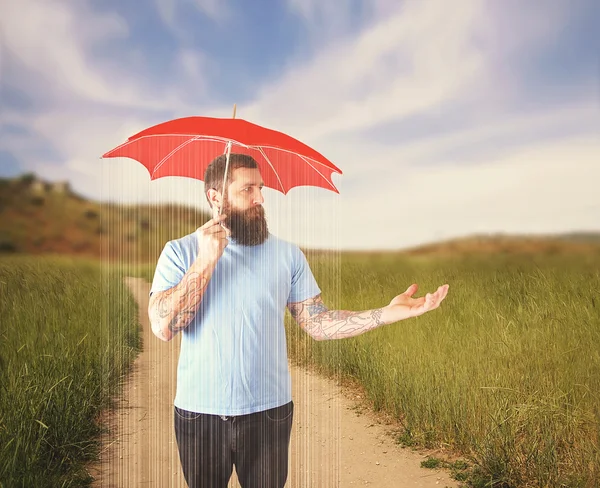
x=248, y=227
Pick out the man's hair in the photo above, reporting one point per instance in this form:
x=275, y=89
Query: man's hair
x=213, y=176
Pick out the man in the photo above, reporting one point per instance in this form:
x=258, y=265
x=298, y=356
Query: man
x=225, y=287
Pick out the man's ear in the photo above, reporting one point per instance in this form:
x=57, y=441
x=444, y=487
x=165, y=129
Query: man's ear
x=214, y=197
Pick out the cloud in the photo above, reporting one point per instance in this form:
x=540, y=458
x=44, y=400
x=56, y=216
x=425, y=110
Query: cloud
x=391, y=69
x=415, y=61
x=476, y=173
x=189, y=84
x=214, y=9
x=481, y=140
x=407, y=61
x=81, y=104
x=50, y=44
x=167, y=10
x=535, y=188
x=325, y=21
x=172, y=11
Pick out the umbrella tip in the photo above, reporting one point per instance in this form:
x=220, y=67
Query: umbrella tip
x=234, y=108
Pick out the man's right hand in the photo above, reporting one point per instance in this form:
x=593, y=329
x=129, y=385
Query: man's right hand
x=212, y=239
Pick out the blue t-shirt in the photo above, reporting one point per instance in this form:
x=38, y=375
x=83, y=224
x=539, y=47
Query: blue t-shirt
x=233, y=358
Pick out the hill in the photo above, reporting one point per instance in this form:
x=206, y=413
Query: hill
x=37, y=217
x=513, y=244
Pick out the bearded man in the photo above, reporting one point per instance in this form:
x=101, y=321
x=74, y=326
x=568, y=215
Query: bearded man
x=226, y=287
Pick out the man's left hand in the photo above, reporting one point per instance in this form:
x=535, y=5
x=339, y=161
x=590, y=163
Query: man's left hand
x=404, y=306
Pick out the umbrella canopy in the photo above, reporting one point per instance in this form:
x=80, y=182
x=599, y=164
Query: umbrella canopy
x=186, y=146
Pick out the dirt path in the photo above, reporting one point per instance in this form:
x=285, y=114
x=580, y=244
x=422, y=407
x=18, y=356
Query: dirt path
x=332, y=444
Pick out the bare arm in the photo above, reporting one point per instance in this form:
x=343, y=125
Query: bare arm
x=172, y=310
x=322, y=324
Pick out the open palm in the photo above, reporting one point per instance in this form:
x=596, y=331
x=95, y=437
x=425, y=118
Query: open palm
x=404, y=306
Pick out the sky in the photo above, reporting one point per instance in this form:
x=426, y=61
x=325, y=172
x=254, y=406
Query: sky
x=447, y=119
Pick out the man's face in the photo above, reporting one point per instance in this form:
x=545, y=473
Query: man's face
x=243, y=207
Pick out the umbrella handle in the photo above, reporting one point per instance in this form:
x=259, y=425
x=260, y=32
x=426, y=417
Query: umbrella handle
x=225, y=176
x=226, y=165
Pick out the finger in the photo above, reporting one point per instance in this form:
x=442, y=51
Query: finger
x=207, y=231
x=411, y=290
x=227, y=231
x=219, y=218
x=440, y=294
x=221, y=236
x=214, y=221
x=207, y=225
x=431, y=301
x=216, y=231
x=436, y=299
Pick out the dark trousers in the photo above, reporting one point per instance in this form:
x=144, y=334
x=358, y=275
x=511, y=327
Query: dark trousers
x=256, y=444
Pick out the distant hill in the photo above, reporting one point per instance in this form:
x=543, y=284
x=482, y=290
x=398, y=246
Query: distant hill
x=39, y=217
x=585, y=237
x=511, y=244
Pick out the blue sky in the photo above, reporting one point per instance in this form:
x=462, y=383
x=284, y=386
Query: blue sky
x=447, y=118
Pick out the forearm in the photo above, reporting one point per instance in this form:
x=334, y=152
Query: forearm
x=175, y=308
x=340, y=324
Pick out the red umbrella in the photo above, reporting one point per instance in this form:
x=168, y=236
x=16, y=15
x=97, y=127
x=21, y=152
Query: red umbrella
x=186, y=146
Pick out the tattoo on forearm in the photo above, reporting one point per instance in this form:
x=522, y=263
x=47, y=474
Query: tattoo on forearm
x=341, y=323
x=320, y=322
x=376, y=314
x=190, y=294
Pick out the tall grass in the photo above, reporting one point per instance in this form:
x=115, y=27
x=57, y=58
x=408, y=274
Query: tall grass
x=68, y=332
x=507, y=370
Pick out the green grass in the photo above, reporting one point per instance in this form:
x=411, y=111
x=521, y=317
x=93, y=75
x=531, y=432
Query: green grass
x=68, y=334
x=506, y=371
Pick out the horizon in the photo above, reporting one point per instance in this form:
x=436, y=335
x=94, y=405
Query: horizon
x=459, y=238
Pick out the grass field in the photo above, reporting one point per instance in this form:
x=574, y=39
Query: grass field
x=68, y=334
x=506, y=371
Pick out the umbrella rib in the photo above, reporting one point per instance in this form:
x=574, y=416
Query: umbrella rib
x=195, y=138
x=337, y=170
x=324, y=177
x=120, y=146
x=272, y=167
x=163, y=160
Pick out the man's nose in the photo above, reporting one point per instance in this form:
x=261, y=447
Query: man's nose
x=258, y=198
